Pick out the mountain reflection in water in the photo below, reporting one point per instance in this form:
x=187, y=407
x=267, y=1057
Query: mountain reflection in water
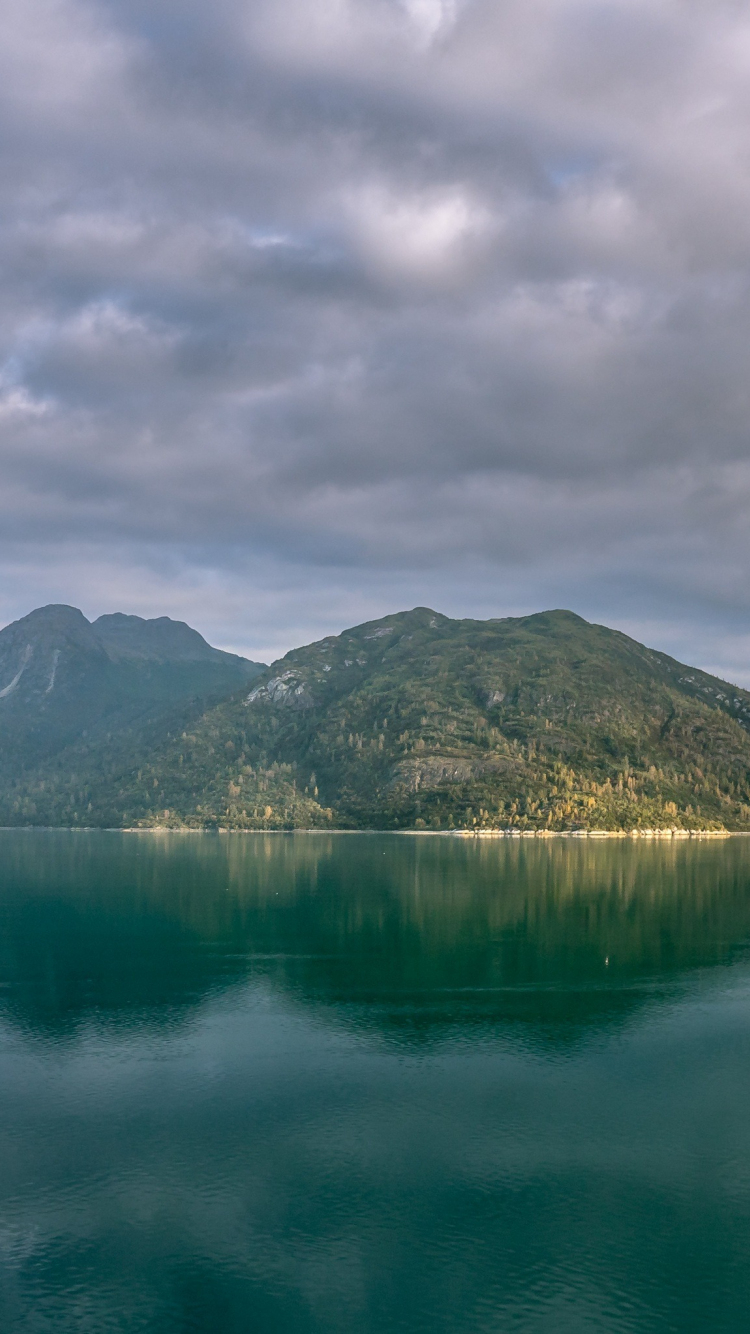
x=310, y=1083
x=415, y=932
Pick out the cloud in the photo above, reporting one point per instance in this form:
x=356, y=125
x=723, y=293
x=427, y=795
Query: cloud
x=406, y=236
x=365, y=302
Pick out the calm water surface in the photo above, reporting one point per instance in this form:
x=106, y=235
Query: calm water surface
x=373, y=1083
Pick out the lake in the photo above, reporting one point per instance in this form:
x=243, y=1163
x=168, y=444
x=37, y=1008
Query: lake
x=373, y=1083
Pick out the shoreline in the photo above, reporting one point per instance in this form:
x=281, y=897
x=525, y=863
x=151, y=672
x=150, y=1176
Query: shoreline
x=481, y=834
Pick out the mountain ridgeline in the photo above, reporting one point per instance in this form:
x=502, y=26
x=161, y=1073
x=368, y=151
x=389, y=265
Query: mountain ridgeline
x=413, y=721
x=63, y=678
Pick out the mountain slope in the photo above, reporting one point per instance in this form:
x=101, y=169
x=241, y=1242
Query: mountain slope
x=421, y=721
x=62, y=677
x=161, y=640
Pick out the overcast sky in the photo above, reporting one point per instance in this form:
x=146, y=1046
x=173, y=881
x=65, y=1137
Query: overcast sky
x=313, y=310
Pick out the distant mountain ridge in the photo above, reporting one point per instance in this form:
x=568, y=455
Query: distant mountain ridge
x=62, y=676
x=420, y=721
x=159, y=640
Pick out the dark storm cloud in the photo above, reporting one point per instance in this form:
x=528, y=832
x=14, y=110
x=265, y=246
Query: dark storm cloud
x=337, y=304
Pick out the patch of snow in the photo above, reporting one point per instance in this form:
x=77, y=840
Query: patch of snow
x=24, y=660
x=53, y=673
x=26, y=656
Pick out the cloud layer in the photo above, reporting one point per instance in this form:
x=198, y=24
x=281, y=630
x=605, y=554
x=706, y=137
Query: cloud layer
x=315, y=309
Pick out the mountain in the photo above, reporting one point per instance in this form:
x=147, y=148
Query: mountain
x=419, y=721
x=161, y=640
x=62, y=678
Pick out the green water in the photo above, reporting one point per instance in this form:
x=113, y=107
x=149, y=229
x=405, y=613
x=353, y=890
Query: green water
x=373, y=1083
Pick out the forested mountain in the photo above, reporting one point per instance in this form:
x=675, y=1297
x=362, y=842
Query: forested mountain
x=63, y=678
x=420, y=721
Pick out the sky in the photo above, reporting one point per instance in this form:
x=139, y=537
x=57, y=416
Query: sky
x=315, y=310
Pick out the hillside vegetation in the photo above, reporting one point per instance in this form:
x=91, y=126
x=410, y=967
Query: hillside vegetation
x=419, y=721
x=63, y=678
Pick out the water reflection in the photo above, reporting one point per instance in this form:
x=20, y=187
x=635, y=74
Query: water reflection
x=316, y=1084
x=404, y=935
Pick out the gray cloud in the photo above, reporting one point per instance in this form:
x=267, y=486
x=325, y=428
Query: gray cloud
x=315, y=309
